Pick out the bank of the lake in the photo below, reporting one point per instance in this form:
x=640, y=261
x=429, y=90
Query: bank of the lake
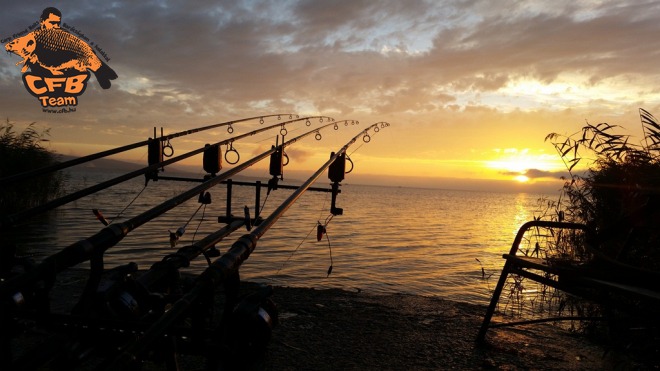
x=334, y=329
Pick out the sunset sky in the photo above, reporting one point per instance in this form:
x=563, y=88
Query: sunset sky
x=470, y=88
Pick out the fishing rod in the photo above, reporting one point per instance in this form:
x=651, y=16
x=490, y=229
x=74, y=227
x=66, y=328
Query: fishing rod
x=186, y=254
x=81, y=160
x=160, y=273
x=132, y=297
x=94, y=246
x=22, y=215
x=221, y=269
x=261, y=229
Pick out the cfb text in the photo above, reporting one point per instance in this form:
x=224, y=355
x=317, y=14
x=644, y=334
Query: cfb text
x=56, y=91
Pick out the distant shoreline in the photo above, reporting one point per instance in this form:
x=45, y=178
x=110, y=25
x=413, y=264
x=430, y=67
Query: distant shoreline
x=448, y=184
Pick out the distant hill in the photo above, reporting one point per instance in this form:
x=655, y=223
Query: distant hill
x=106, y=165
x=102, y=165
x=298, y=176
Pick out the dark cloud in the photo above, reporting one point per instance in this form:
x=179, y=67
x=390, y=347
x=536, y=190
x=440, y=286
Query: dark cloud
x=351, y=22
x=314, y=51
x=539, y=174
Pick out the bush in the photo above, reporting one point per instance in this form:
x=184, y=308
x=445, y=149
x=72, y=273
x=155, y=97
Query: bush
x=619, y=195
x=20, y=152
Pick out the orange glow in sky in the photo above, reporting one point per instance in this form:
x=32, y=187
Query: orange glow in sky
x=515, y=163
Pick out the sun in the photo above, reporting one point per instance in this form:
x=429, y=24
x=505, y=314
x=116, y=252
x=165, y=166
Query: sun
x=514, y=164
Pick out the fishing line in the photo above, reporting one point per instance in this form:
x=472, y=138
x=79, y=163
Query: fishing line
x=263, y=204
x=193, y=215
x=327, y=236
x=321, y=230
x=294, y=251
x=325, y=200
x=349, y=155
x=130, y=203
x=363, y=142
x=144, y=154
x=304, y=239
x=174, y=236
x=198, y=225
x=105, y=222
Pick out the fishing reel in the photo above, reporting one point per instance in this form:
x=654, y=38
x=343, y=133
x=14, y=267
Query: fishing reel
x=120, y=296
x=29, y=297
x=250, y=325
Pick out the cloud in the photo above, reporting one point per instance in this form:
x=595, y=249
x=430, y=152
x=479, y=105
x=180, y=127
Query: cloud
x=545, y=45
x=456, y=80
x=539, y=174
x=328, y=53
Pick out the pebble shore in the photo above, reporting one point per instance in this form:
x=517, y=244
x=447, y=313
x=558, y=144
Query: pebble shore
x=332, y=329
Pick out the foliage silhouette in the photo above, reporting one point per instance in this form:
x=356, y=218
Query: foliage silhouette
x=619, y=194
x=20, y=152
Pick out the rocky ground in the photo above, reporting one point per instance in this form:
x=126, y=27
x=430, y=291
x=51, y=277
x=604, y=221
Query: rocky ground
x=333, y=329
x=338, y=330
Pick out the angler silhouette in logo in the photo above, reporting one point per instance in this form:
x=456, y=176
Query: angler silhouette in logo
x=59, y=62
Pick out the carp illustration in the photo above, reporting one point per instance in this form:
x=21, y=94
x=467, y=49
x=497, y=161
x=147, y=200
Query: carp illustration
x=59, y=52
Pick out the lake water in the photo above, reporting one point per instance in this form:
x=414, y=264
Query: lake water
x=389, y=240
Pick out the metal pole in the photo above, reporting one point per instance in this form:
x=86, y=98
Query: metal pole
x=507, y=266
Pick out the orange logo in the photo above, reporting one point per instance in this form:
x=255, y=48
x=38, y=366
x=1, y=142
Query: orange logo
x=58, y=63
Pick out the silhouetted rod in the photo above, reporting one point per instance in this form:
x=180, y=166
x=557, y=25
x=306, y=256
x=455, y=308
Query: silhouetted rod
x=20, y=216
x=111, y=235
x=96, y=156
x=221, y=268
x=184, y=255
